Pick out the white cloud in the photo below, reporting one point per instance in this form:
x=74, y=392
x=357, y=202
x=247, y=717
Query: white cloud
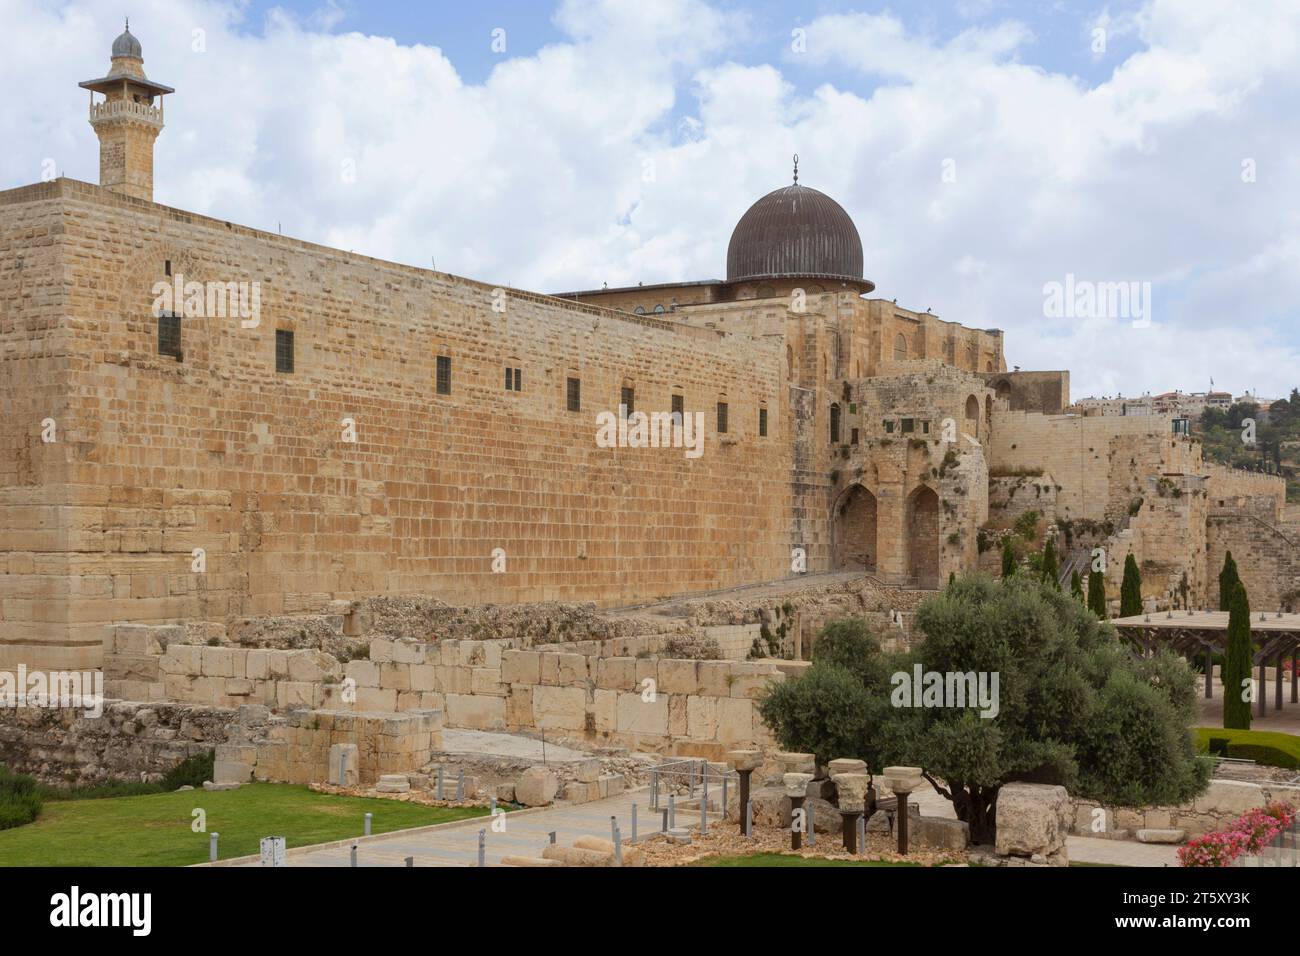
x=537, y=176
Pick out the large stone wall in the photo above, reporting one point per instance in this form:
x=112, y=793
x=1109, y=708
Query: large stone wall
x=156, y=457
x=584, y=691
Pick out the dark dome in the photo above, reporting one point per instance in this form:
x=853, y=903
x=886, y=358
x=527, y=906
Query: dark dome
x=795, y=231
x=127, y=45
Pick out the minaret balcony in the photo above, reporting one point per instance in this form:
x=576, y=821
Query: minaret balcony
x=126, y=109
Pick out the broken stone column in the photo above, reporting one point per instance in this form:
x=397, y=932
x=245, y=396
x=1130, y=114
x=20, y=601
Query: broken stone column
x=744, y=762
x=796, y=788
x=1033, y=820
x=852, y=789
x=902, y=780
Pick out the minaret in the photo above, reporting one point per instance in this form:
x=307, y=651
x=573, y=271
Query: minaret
x=126, y=120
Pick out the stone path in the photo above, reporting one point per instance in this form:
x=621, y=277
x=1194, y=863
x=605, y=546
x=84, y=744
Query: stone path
x=1119, y=852
x=456, y=844
x=486, y=743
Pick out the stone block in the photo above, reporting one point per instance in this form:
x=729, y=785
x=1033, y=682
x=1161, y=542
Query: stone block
x=941, y=833
x=1033, y=819
x=536, y=787
x=520, y=667
x=363, y=673
x=702, y=718
x=393, y=783
x=1161, y=836
x=476, y=713
x=587, y=771
x=616, y=673
x=638, y=716
x=678, y=677
x=559, y=708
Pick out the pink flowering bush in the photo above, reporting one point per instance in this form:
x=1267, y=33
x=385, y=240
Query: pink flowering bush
x=1249, y=833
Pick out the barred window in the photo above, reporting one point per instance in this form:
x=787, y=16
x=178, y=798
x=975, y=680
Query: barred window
x=678, y=409
x=835, y=424
x=722, y=417
x=762, y=423
x=575, y=395
x=626, y=400
x=514, y=379
x=444, y=375
x=169, y=335
x=284, y=350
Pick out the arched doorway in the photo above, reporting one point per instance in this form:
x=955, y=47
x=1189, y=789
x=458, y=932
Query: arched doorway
x=855, y=530
x=923, y=537
x=972, y=416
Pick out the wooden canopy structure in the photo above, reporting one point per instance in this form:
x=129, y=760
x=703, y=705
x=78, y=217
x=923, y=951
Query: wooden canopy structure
x=1200, y=634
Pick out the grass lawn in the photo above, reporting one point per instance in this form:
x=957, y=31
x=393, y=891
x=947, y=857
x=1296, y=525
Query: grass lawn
x=1263, y=746
x=154, y=830
x=786, y=859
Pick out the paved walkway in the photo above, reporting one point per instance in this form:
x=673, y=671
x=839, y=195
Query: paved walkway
x=456, y=844
x=1119, y=852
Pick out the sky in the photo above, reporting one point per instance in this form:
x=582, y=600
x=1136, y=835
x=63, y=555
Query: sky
x=991, y=153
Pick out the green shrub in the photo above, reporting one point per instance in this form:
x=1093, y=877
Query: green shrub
x=20, y=803
x=193, y=771
x=99, y=791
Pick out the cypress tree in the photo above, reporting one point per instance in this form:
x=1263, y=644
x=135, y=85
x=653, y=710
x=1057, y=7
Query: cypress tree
x=1130, y=591
x=1236, y=662
x=1227, y=577
x=1008, y=558
x=1051, y=571
x=1076, y=587
x=1097, y=594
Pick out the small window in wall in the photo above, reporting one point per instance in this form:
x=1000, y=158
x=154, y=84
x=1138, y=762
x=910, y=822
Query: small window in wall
x=853, y=437
x=169, y=335
x=889, y=426
x=835, y=424
x=284, y=350
x=167, y=267
x=627, y=400
x=514, y=379
x=909, y=425
x=925, y=427
x=573, y=392
x=639, y=310
x=678, y=409
x=444, y=375
x=722, y=417
x=660, y=310
x=900, y=347
x=762, y=423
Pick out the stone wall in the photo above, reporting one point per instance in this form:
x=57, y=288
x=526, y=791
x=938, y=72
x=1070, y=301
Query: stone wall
x=699, y=707
x=218, y=451
x=1268, y=558
x=1221, y=804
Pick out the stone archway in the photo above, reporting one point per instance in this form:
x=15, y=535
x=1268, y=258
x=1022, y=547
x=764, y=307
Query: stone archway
x=973, y=416
x=922, y=537
x=854, y=526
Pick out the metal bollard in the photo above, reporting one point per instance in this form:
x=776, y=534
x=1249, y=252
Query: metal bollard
x=672, y=811
x=724, y=798
x=212, y=847
x=366, y=831
x=440, y=796
x=749, y=818
x=482, y=847
x=811, y=824
x=618, y=841
x=552, y=836
x=353, y=861
x=654, y=789
x=410, y=861
x=634, y=823
x=343, y=768
x=663, y=827
x=460, y=785
x=704, y=817
x=862, y=834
